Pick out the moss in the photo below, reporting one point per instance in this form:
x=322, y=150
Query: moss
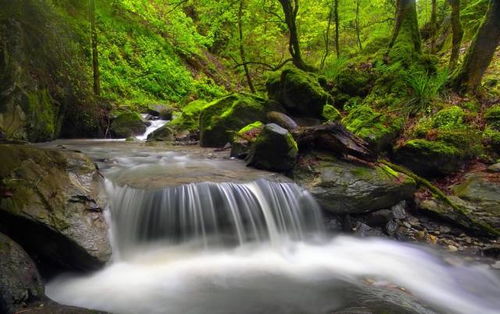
x=223, y=117
x=354, y=82
x=330, y=113
x=449, y=118
x=432, y=148
x=250, y=127
x=188, y=118
x=492, y=138
x=377, y=128
x=492, y=117
x=299, y=92
x=127, y=124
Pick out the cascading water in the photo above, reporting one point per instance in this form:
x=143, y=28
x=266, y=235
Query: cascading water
x=155, y=125
x=215, y=214
x=254, y=247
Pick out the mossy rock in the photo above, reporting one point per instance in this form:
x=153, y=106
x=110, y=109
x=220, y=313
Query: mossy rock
x=429, y=158
x=223, y=117
x=354, y=82
x=377, y=128
x=53, y=207
x=127, y=124
x=244, y=137
x=449, y=118
x=330, y=113
x=345, y=188
x=163, y=134
x=189, y=116
x=274, y=149
x=299, y=92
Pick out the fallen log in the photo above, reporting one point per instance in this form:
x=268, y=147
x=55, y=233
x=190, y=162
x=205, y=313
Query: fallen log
x=335, y=138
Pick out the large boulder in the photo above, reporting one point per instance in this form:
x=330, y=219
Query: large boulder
x=50, y=203
x=346, y=188
x=429, y=158
x=273, y=149
x=127, y=124
x=299, y=92
x=189, y=116
x=225, y=116
x=482, y=190
x=163, y=134
x=20, y=282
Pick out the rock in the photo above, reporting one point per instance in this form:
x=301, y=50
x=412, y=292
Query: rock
x=165, y=134
x=482, y=190
x=364, y=230
x=379, y=218
x=452, y=248
x=274, y=149
x=299, y=92
x=467, y=217
x=494, y=168
x=221, y=118
x=188, y=118
x=50, y=203
x=127, y=124
x=282, y=120
x=345, y=188
x=50, y=307
x=244, y=137
x=377, y=128
x=399, y=211
x=428, y=158
x=20, y=282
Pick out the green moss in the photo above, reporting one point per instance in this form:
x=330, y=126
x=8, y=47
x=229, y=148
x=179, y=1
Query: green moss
x=431, y=148
x=250, y=127
x=330, y=113
x=222, y=118
x=299, y=92
x=127, y=124
x=188, y=118
x=354, y=82
x=492, y=117
x=377, y=128
x=43, y=121
x=449, y=118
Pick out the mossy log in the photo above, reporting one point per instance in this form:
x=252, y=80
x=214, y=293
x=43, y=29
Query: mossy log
x=334, y=137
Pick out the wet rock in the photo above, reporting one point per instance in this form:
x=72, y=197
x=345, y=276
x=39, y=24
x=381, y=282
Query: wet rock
x=127, y=124
x=364, y=230
x=379, y=218
x=274, y=149
x=243, y=138
x=50, y=307
x=399, y=211
x=282, y=120
x=163, y=134
x=482, y=190
x=346, y=188
x=20, y=282
x=222, y=118
x=299, y=92
x=52, y=206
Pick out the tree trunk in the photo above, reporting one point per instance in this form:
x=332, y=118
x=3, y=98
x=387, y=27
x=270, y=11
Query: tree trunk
x=291, y=10
x=433, y=25
x=95, y=52
x=406, y=26
x=327, y=38
x=337, y=23
x=458, y=32
x=481, y=51
x=242, y=47
x=358, y=29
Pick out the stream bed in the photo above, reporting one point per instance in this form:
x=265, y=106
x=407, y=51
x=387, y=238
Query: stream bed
x=194, y=232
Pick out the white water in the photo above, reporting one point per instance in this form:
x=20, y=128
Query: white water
x=254, y=248
x=155, y=125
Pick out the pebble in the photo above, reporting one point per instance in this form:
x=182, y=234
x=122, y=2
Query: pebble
x=452, y=248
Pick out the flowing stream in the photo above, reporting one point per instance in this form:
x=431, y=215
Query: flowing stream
x=195, y=235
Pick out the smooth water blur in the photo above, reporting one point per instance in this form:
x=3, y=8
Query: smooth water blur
x=155, y=125
x=256, y=245
x=297, y=277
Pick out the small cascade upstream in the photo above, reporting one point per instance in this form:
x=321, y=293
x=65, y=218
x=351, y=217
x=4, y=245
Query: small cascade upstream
x=155, y=125
x=252, y=247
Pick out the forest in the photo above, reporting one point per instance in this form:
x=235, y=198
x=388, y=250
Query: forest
x=224, y=133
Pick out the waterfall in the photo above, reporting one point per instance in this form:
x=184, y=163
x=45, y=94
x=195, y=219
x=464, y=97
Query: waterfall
x=211, y=214
x=155, y=125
